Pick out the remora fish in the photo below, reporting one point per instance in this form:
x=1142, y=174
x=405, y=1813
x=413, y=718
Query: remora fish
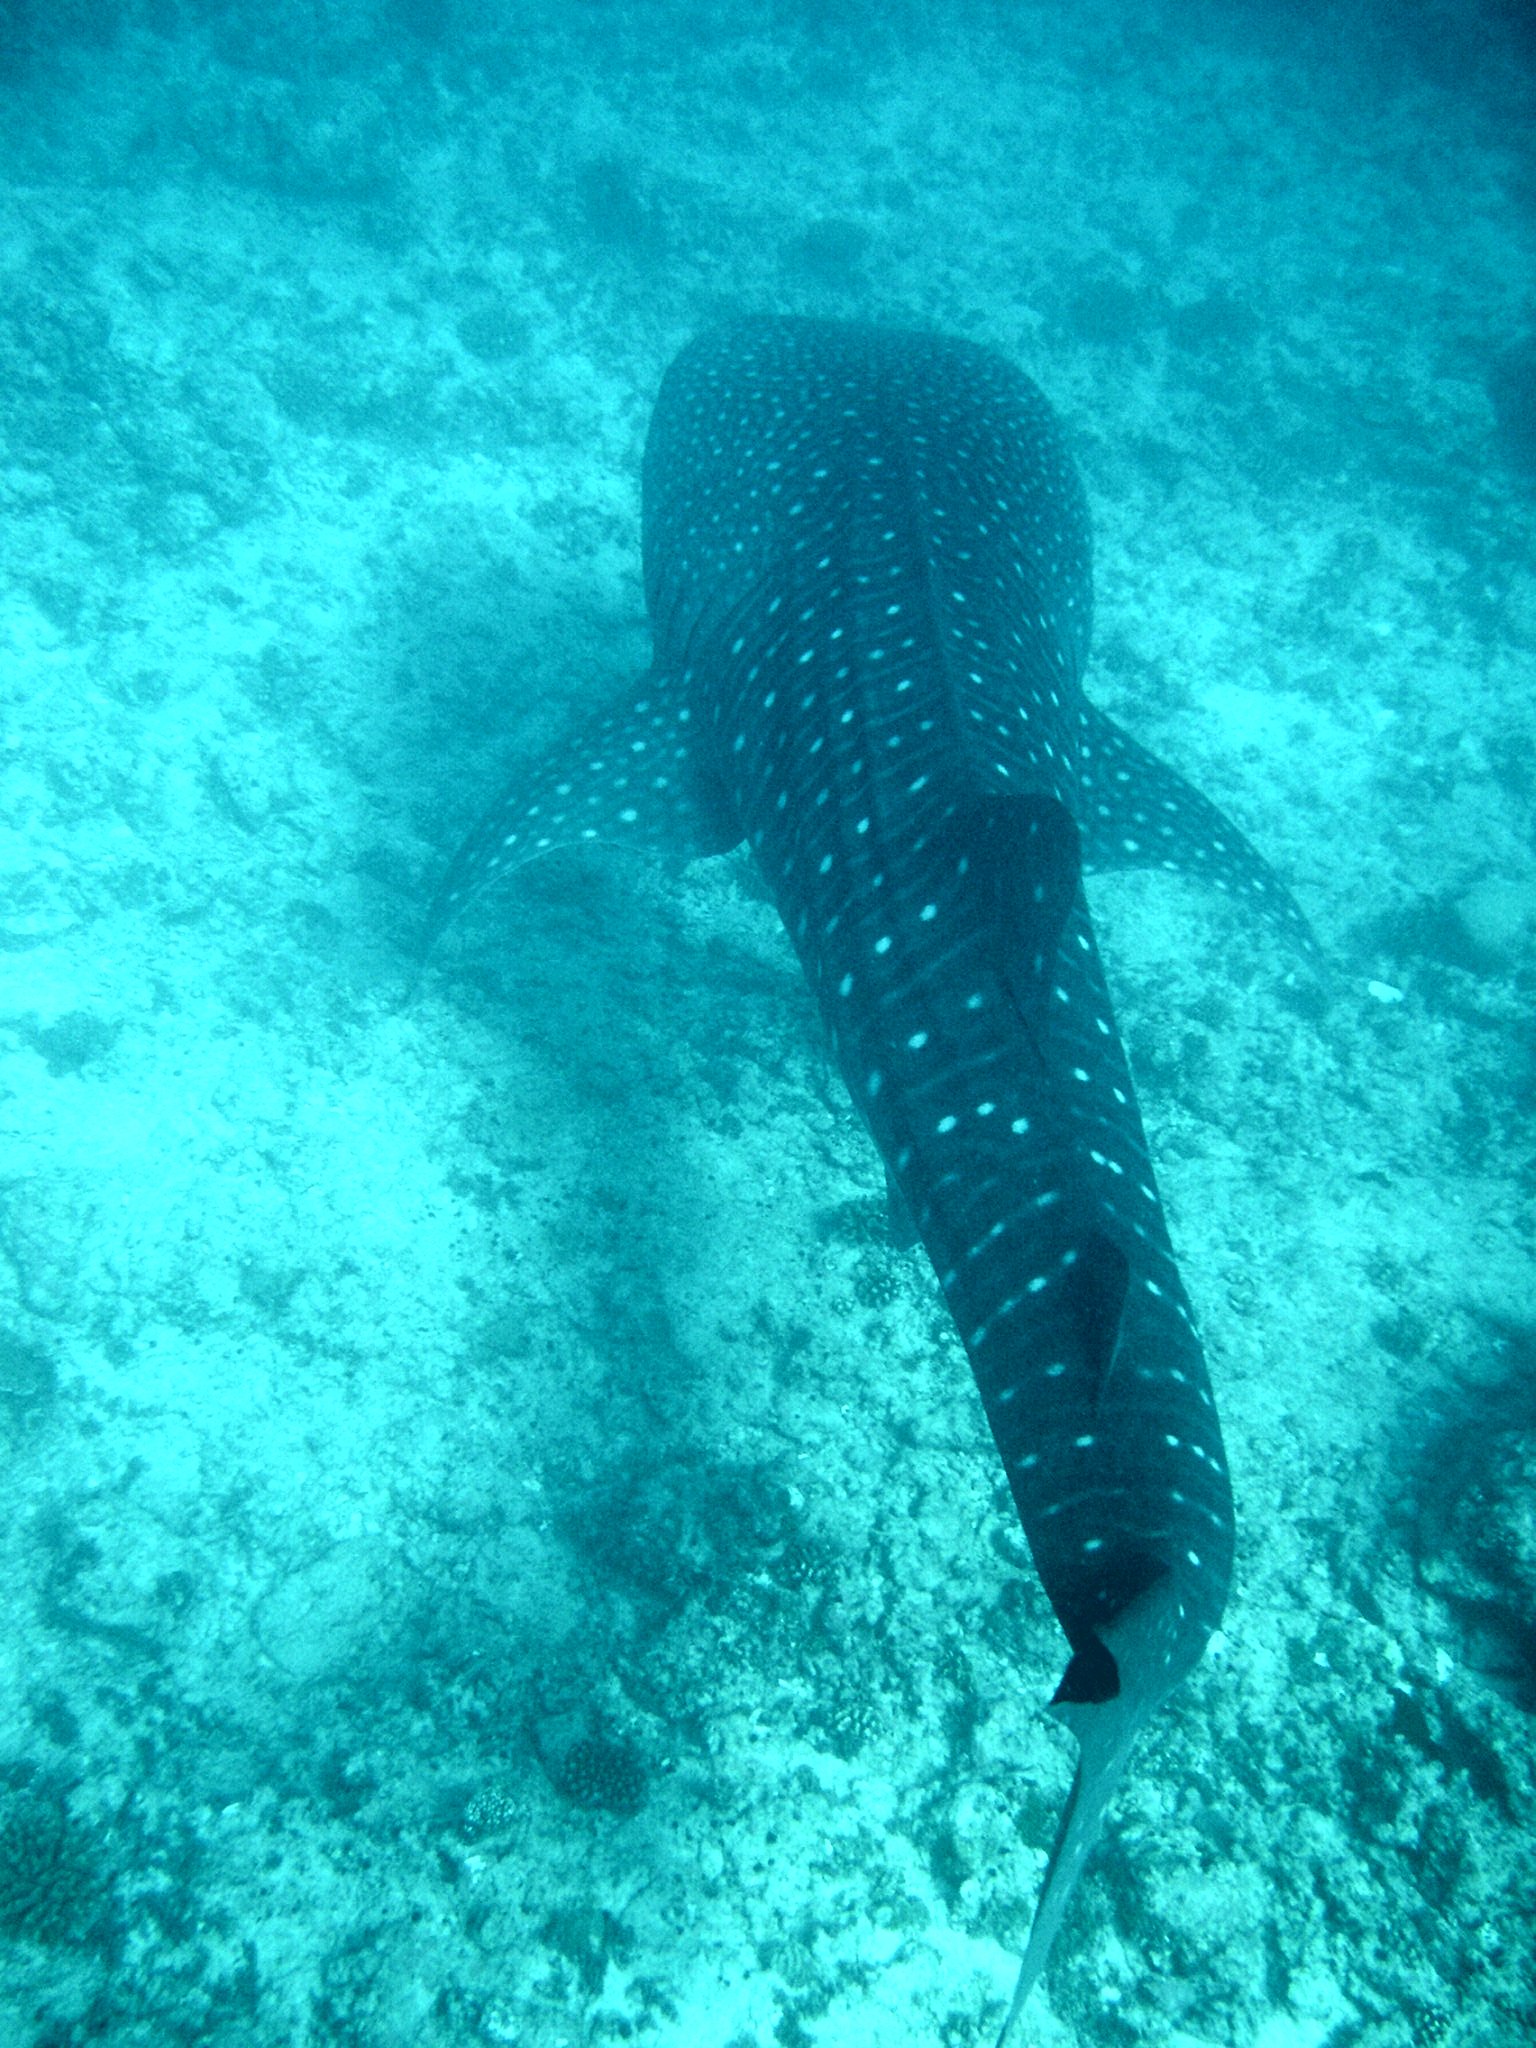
x=867, y=567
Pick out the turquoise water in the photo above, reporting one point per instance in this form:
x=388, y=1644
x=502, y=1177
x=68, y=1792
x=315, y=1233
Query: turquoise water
x=502, y=1545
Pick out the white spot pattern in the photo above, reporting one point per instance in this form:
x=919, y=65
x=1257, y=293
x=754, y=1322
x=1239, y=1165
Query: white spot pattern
x=882, y=661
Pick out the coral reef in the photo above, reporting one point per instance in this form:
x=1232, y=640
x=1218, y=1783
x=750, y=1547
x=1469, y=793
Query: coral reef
x=602, y=1776
x=850, y=1717
x=490, y=1811
x=51, y=1889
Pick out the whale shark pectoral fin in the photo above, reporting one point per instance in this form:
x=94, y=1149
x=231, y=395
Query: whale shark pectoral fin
x=1139, y=813
x=629, y=778
x=1114, y=1683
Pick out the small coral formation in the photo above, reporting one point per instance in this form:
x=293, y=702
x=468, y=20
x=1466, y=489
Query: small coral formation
x=490, y=1811
x=50, y=1889
x=801, y=1562
x=601, y=1776
x=850, y=1717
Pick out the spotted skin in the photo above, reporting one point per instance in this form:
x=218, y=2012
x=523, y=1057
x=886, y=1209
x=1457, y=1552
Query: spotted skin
x=867, y=565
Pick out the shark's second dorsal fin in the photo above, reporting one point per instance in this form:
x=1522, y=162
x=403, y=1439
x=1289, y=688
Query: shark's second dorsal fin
x=1029, y=852
x=1110, y=1690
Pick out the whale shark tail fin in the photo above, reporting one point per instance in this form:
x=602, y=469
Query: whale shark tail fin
x=1111, y=1689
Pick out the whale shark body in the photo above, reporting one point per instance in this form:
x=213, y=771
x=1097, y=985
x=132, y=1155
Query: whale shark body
x=867, y=567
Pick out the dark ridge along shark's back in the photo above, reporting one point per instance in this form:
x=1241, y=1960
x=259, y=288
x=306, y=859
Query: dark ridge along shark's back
x=867, y=565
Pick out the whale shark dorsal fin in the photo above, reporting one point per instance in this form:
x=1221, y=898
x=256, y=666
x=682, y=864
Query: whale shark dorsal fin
x=1036, y=856
x=1095, y=1289
x=1113, y=1685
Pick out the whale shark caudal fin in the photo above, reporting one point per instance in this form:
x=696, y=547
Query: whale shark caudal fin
x=1135, y=1658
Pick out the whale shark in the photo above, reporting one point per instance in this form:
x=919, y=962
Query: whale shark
x=867, y=567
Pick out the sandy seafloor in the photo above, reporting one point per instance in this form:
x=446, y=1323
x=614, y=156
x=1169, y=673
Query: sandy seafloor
x=498, y=1544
